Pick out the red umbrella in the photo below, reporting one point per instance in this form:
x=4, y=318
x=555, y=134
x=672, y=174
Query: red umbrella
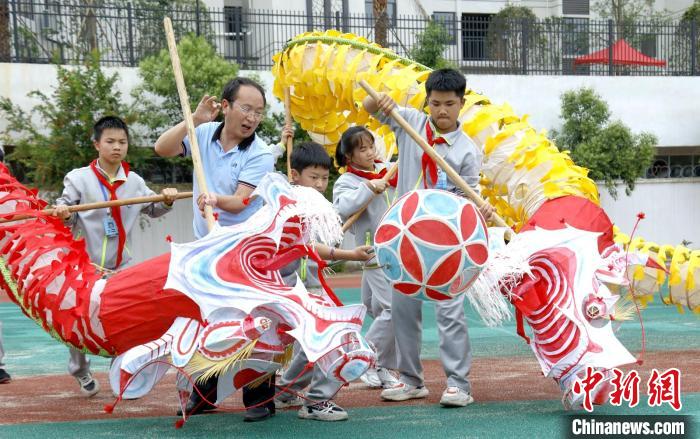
x=622, y=54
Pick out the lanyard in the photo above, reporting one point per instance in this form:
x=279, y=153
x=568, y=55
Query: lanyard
x=104, y=192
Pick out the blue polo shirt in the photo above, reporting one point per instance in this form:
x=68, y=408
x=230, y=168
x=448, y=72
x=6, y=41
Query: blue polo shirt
x=245, y=164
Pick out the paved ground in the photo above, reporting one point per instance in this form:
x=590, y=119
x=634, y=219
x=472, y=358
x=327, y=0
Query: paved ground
x=513, y=399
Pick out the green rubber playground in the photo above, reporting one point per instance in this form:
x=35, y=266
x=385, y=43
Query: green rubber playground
x=512, y=398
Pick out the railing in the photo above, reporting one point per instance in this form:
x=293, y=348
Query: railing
x=62, y=31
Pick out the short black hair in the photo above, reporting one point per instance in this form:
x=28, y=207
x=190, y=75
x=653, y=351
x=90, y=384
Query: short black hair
x=351, y=139
x=108, y=122
x=309, y=154
x=230, y=92
x=446, y=80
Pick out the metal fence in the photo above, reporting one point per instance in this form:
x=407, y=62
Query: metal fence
x=125, y=33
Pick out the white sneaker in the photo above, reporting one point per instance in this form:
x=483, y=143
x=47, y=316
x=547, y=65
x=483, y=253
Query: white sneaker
x=387, y=378
x=89, y=386
x=403, y=392
x=371, y=378
x=295, y=401
x=456, y=397
x=323, y=411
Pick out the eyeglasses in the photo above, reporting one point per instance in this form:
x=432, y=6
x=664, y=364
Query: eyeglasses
x=248, y=111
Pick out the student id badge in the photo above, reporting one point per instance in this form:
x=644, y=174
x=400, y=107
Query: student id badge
x=441, y=180
x=110, y=227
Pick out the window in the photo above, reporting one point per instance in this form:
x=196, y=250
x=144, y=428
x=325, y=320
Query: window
x=233, y=19
x=574, y=36
x=235, y=42
x=49, y=19
x=681, y=166
x=448, y=21
x=475, y=28
x=574, y=43
x=674, y=166
x=25, y=8
x=390, y=12
x=575, y=7
x=649, y=45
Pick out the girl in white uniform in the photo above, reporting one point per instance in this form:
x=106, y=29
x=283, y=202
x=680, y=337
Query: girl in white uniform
x=363, y=183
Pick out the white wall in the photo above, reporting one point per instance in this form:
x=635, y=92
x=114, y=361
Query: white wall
x=148, y=239
x=671, y=207
x=664, y=106
x=17, y=80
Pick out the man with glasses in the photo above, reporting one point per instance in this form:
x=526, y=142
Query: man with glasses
x=234, y=159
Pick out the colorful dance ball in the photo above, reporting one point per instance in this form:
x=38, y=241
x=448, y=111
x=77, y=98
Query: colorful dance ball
x=432, y=244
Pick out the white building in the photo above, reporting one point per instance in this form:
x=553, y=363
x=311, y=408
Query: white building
x=542, y=8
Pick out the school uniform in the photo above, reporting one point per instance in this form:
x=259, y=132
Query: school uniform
x=2, y=351
x=417, y=173
x=320, y=387
x=107, y=231
x=350, y=194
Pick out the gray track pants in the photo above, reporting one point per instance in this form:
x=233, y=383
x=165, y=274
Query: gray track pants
x=79, y=363
x=376, y=296
x=455, y=350
x=2, y=351
x=320, y=387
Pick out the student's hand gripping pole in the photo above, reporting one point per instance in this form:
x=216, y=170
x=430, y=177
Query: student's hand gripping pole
x=451, y=173
x=187, y=115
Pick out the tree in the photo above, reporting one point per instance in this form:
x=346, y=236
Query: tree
x=205, y=72
x=511, y=29
x=627, y=12
x=5, y=46
x=61, y=140
x=608, y=149
x=379, y=10
x=156, y=99
x=692, y=13
x=187, y=16
x=634, y=19
x=683, y=44
x=430, y=45
x=157, y=102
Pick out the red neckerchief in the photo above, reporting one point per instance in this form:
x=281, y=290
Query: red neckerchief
x=116, y=211
x=373, y=175
x=428, y=165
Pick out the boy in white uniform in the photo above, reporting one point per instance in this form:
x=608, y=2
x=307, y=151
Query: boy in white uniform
x=107, y=232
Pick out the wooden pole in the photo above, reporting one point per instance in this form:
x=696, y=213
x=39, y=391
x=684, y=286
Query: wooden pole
x=355, y=216
x=103, y=204
x=187, y=115
x=451, y=173
x=288, y=122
